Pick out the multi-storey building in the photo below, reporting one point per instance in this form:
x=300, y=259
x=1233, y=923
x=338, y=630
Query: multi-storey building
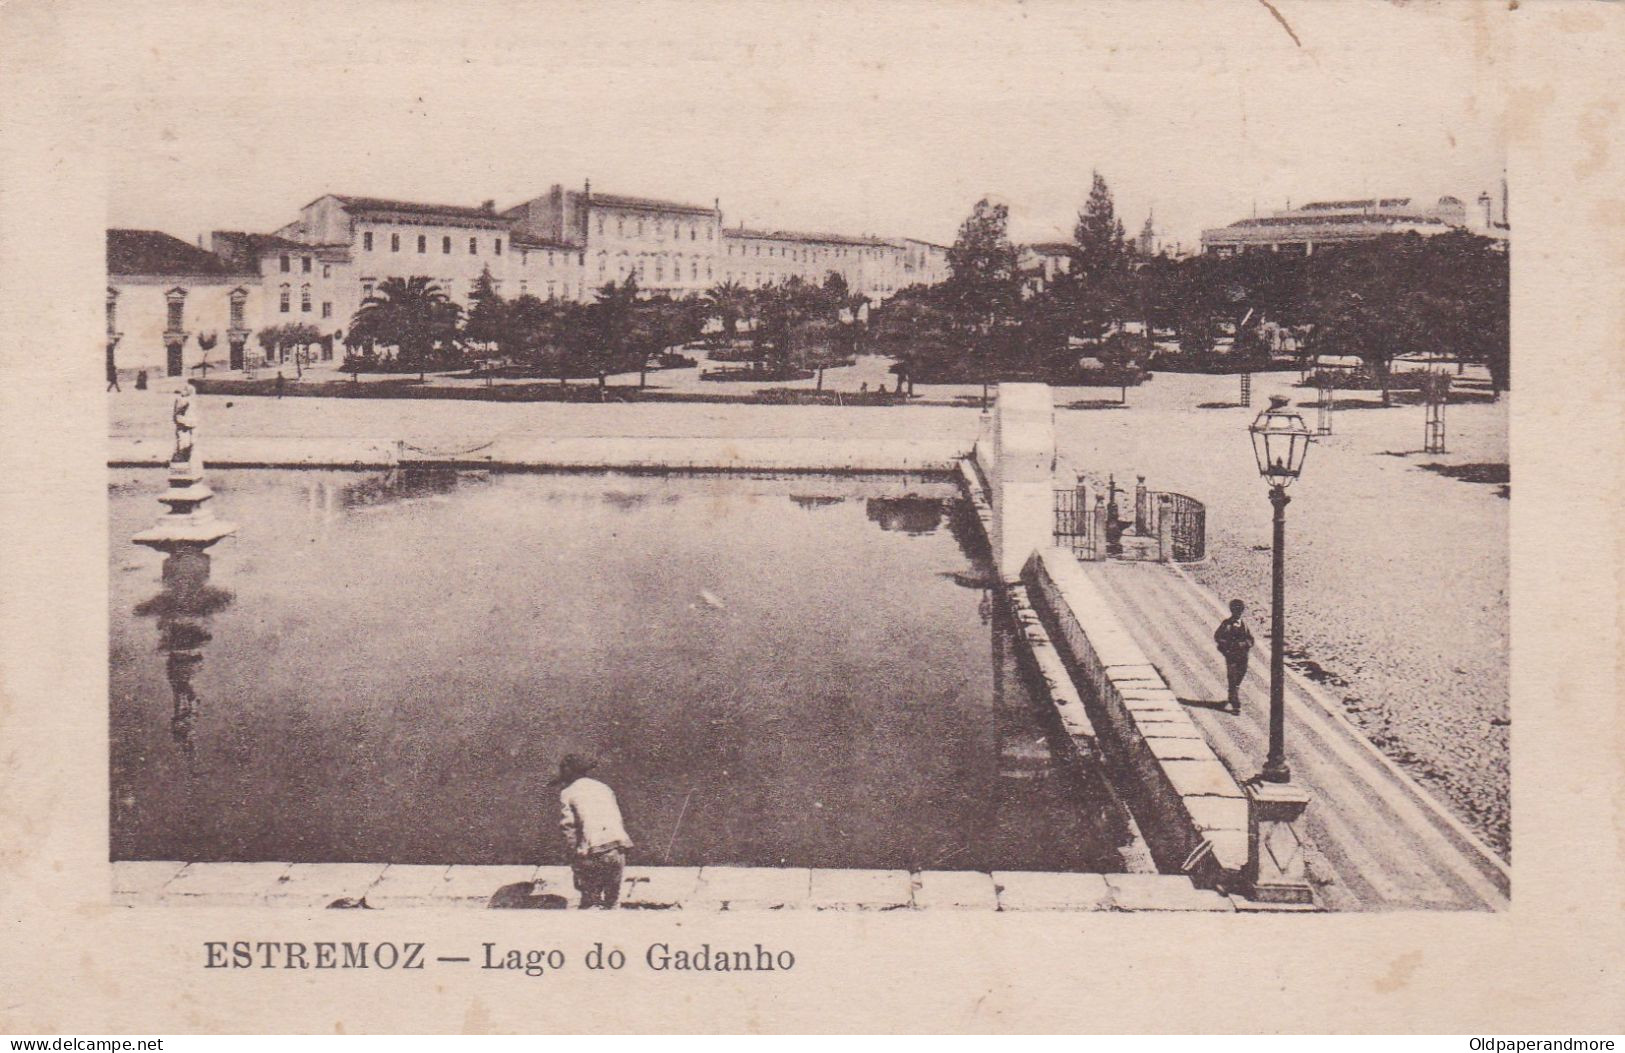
x=163, y=294
x=1303, y=229
x=668, y=246
x=563, y=245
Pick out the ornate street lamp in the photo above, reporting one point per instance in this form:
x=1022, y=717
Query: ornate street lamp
x=1280, y=442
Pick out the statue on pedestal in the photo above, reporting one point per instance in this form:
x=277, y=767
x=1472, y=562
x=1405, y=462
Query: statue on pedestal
x=185, y=416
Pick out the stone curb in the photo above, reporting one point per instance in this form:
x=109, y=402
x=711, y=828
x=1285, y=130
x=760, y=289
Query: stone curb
x=380, y=886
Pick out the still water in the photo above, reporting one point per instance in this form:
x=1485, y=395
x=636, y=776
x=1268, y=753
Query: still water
x=378, y=667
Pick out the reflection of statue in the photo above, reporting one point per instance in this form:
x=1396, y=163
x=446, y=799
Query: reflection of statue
x=185, y=415
x=182, y=610
x=179, y=668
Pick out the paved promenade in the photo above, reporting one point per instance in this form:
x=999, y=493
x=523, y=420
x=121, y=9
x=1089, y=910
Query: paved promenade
x=379, y=886
x=1381, y=843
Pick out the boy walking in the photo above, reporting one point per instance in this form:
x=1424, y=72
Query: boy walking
x=1234, y=640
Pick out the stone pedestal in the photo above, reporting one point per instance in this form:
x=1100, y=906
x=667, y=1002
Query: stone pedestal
x=1276, y=864
x=190, y=524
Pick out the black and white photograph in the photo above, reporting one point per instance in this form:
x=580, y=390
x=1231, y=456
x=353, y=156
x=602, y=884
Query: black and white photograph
x=712, y=467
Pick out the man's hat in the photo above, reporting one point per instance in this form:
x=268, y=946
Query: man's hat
x=571, y=768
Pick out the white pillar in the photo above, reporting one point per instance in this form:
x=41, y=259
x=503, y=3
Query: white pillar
x=1023, y=490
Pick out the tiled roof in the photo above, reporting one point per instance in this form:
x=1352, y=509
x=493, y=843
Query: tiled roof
x=648, y=204
x=792, y=235
x=522, y=240
x=380, y=204
x=261, y=243
x=154, y=252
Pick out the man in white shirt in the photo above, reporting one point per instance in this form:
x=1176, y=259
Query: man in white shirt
x=593, y=831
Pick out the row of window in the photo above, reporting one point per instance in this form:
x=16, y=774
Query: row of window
x=285, y=303
x=677, y=229
x=803, y=255
x=304, y=265
x=554, y=289
x=423, y=244
x=553, y=258
x=175, y=315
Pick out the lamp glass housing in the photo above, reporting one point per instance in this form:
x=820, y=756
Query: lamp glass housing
x=1280, y=443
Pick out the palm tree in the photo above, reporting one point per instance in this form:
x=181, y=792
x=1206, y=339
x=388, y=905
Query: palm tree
x=729, y=301
x=413, y=315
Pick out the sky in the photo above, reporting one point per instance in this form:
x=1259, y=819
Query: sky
x=890, y=119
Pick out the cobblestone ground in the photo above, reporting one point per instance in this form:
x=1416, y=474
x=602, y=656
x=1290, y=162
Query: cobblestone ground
x=1397, y=573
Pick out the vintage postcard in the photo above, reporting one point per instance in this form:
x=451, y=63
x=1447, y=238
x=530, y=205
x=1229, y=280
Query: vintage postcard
x=817, y=517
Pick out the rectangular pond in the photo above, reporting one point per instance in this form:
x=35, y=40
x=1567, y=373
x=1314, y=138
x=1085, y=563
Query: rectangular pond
x=386, y=667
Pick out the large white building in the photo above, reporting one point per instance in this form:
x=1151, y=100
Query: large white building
x=1303, y=229
x=563, y=245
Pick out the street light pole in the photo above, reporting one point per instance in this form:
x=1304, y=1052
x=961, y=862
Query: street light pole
x=1280, y=444
x=1275, y=767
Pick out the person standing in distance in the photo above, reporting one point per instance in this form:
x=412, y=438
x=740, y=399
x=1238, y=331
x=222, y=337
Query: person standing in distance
x=1234, y=640
x=594, y=833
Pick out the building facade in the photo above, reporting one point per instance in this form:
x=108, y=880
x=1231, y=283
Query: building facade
x=1041, y=264
x=166, y=299
x=563, y=245
x=1301, y=230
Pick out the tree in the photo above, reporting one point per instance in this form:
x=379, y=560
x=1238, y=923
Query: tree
x=1468, y=280
x=729, y=301
x=487, y=315
x=530, y=332
x=278, y=340
x=413, y=315
x=1100, y=248
x=206, y=343
x=1098, y=291
x=920, y=334
x=300, y=336
x=1368, y=302
x=611, y=320
x=984, y=283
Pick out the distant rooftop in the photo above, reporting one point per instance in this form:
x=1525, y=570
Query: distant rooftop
x=795, y=235
x=131, y=252
x=523, y=240
x=259, y=243
x=380, y=204
x=648, y=204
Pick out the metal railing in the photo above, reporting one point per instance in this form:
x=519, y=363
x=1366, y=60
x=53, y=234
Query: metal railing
x=1074, y=522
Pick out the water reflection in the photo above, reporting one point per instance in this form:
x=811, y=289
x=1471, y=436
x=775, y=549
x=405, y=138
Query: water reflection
x=832, y=689
x=395, y=486
x=811, y=501
x=916, y=516
x=182, y=610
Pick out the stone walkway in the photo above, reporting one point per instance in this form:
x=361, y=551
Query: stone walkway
x=315, y=886
x=1381, y=842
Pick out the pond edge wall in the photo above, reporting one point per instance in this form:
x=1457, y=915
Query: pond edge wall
x=1191, y=809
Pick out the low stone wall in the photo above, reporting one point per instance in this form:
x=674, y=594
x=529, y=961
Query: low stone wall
x=380, y=886
x=1056, y=681
x=546, y=453
x=1193, y=813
